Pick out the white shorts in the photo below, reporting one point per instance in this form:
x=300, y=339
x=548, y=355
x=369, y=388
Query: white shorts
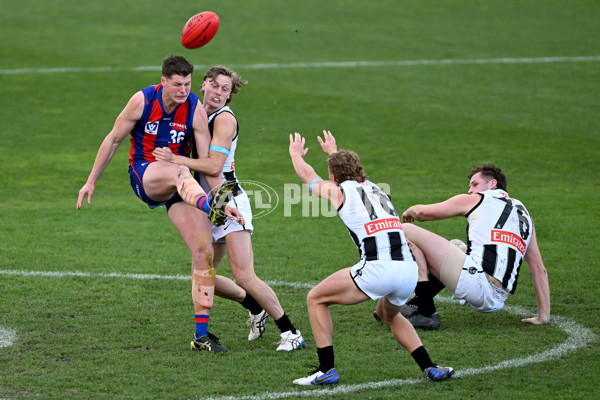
x=394, y=280
x=242, y=203
x=475, y=289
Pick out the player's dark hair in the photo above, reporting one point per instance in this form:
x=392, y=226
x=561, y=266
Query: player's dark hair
x=236, y=80
x=491, y=171
x=345, y=166
x=176, y=65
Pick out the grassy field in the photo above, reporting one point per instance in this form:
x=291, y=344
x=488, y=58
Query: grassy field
x=95, y=304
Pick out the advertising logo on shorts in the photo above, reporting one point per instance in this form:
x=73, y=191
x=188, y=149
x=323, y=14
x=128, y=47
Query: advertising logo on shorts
x=263, y=198
x=151, y=128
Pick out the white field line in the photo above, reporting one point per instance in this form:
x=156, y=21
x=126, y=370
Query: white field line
x=578, y=337
x=59, y=274
x=7, y=337
x=331, y=64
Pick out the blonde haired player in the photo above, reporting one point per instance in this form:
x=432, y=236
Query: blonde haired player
x=168, y=114
x=219, y=85
x=387, y=269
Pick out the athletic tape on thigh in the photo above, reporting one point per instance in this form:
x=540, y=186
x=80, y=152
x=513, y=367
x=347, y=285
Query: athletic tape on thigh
x=451, y=267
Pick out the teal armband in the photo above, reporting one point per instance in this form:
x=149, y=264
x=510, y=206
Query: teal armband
x=219, y=149
x=313, y=182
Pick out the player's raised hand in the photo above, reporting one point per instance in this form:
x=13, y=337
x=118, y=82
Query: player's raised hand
x=297, y=145
x=327, y=143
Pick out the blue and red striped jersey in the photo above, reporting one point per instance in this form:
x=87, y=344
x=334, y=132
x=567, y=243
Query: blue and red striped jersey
x=156, y=128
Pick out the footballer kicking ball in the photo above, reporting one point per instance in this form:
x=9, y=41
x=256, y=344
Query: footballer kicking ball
x=199, y=30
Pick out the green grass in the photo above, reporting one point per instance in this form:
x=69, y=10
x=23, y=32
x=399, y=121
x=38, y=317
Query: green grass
x=418, y=128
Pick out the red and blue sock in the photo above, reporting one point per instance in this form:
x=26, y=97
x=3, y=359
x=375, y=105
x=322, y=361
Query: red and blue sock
x=201, y=325
x=203, y=203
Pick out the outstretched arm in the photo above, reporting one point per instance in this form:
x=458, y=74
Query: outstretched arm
x=124, y=123
x=541, y=285
x=453, y=207
x=325, y=189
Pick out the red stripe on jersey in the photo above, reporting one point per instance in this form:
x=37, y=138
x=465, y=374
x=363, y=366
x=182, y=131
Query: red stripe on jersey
x=149, y=141
x=131, y=149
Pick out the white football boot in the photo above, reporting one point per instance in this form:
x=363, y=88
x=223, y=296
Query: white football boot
x=290, y=341
x=257, y=324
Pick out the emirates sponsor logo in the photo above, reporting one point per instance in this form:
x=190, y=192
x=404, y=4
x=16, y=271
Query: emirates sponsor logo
x=509, y=238
x=382, y=225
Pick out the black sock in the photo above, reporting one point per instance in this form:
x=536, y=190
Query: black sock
x=326, y=358
x=284, y=324
x=435, y=285
x=424, y=298
x=250, y=304
x=421, y=357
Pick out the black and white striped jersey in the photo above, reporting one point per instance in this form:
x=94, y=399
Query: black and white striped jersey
x=498, y=233
x=373, y=222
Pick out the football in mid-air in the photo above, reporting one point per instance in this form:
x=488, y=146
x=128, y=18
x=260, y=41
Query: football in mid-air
x=199, y=30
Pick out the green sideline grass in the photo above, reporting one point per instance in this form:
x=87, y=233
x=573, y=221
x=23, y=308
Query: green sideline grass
x=417, y=128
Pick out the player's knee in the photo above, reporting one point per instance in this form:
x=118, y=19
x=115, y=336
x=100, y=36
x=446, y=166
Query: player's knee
x=386, y=311
x=312, y=298
x=245, y=279
x=383, y=316
x=183, y=172
x=202, y=257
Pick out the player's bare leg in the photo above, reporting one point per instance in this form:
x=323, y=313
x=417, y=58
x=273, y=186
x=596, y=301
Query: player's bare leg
x=402, y=329
x=406, y=335
x=338, y=288
x=443, y=261
x=241, y=260
x=163, y=179
x=225, y=287
x=193, y=226
x=433, y=247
